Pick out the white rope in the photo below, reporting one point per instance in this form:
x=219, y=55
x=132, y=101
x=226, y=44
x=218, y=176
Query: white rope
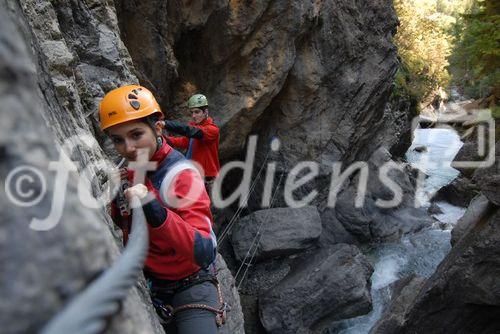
x=255, y=241
x=236, y=215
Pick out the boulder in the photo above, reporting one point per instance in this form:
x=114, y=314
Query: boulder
x=420, y=149
x=488, y=179
x=468, y=152
x=434, y=209
x=334, y=284
x=276, y=232
x=475, y=211
x=371, y=222
x=403, y=293
x=458, y=192
x=333, y=230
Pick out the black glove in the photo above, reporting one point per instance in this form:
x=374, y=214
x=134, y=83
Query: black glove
x=155, y=213
x=183, y=130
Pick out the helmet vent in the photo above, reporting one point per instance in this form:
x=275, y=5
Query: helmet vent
x=135, y=104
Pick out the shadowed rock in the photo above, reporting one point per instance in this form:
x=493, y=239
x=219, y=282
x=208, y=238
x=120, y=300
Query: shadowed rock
x=276, y=232
x=334, y=284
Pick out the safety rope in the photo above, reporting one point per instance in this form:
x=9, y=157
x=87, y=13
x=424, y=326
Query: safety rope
x=88, y=312
x=237, y=214
x=255, y=241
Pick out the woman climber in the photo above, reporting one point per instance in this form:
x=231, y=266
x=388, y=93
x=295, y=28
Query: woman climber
x=180, y=264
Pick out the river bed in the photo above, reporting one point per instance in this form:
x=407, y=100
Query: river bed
x=418, y=253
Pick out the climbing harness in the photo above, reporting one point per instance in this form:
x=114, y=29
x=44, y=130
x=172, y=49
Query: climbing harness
x=168, y=312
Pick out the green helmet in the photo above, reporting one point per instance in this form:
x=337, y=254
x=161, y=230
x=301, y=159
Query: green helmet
x=197, y=100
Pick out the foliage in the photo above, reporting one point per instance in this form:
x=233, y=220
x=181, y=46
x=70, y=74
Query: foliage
x=476, y=56
x=424, y=44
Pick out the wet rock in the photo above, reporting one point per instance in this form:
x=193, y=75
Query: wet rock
x=459, y=192
x=468, y=152
x=420, y=149
x=333, y=285
x=463, y=295
x=276, y=232
x=403, y=293
x=475, y=211
x=372, y=220
x=488, y=179
x=434, y=209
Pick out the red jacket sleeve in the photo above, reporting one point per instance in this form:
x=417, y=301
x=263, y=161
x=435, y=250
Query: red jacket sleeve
x=210, y=131
x=179, y=142
x=188, y=229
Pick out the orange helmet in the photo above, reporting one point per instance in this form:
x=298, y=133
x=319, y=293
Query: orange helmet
x=126, y=103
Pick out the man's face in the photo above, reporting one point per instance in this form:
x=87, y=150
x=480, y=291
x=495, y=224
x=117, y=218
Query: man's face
x=198, y=115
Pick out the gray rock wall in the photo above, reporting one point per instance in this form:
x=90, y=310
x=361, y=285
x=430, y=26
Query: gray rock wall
x=42, y=270
x=58, y=60
x=317, y=74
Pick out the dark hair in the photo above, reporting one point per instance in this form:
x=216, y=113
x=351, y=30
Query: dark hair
x=151, y=120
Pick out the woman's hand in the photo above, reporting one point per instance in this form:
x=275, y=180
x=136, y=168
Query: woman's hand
x=139, y=190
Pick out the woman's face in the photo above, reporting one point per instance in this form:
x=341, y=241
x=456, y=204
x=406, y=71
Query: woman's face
x=132, y=136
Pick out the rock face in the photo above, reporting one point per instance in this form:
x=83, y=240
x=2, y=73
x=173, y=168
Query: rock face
x=463, y=294
x=310, y=72
x=76, y=57
x=404, y=291
x=475, y=212
x=47, y=266
x=333, y=285
x=235, y=321
x=459, y=192
x=371, y=221
x=79, y=58
x=276, y=232
x=488, y=179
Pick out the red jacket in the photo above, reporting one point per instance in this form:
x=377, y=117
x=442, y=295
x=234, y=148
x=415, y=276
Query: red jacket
x=185, y=242
x=204, y=151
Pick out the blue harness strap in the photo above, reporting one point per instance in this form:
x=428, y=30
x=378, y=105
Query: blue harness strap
x=172, y=158
x=189, y=152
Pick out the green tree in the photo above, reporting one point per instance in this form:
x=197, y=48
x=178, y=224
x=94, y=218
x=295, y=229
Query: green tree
x=424, y=44
x=475, y=59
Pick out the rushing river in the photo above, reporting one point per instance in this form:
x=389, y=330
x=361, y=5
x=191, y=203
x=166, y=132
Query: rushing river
x=421, y=252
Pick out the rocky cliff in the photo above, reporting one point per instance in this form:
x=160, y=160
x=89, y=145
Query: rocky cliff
x=315, y=74
x=463, y=295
